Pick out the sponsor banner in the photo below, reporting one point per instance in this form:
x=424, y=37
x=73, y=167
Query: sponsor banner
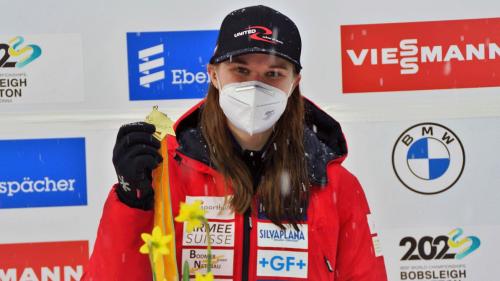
x=169, y=65
x=222, y=261
x=42, y=173
x=442, y=254
x=420, y=55
x=34, y=68
x=428, y=158
x=43, y=261
x=216, y=207
x=221, y=235
x=270, y=235
x=274, y=263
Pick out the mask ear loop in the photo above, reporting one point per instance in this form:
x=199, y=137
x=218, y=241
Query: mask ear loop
x=218, y=82
x=288, y=96
x=290, y=90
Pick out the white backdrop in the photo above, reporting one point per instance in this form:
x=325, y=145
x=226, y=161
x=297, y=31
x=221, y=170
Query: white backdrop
x=96, y=103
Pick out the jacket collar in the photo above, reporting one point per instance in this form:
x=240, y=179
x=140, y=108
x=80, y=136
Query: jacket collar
x=324, y=141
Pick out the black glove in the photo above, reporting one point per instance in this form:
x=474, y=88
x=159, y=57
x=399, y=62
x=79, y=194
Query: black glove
x=135, y=155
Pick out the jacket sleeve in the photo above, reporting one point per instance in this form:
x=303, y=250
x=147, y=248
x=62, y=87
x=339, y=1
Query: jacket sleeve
x=116, y=251
x=357, y=259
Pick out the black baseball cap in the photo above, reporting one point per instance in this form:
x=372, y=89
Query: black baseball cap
x=258, y=29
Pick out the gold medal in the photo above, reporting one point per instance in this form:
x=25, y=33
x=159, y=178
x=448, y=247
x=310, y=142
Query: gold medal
x=166, y=268
x=163, y=124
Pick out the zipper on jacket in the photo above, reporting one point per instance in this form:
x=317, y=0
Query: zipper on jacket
x=328, y=264
x=247, y=227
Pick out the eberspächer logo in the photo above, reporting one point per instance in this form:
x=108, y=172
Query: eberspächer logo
x=428, y=158
x=169, y=65
x=42, y=173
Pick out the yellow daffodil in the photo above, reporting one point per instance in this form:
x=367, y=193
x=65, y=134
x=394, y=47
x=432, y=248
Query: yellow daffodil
x=200, y=277
x=192, y=214
x=155, y=243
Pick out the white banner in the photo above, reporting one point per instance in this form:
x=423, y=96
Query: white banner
x=41, y=68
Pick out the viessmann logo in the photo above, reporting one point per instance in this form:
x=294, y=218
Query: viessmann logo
x=42, y=173
x=43, y=261
x=420, y=55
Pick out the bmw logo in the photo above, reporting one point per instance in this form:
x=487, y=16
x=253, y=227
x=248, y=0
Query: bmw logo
x=428, y=158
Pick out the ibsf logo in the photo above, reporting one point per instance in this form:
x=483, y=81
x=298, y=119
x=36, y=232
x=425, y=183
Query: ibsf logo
x=451, y=246
x=151, y=63
x=43, y=261
x=15, y=54
x=169, y=65
x=428, y=158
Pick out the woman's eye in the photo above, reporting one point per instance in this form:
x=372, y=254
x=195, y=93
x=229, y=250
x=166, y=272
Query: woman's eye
x=242, y=70
x=273, y=74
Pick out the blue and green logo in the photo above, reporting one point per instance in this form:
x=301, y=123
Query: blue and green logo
x=15, y=54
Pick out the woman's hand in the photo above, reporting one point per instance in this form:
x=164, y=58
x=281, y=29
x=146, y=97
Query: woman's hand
x=135, y=156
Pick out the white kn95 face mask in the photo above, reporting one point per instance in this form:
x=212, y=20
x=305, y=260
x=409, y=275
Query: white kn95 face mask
x=252, y=106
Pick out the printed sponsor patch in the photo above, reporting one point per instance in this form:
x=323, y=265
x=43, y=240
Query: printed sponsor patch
x=222, y=261
x=221, y=235
x=214, y=205
x=377, y=247
x=371, y=224
x=270, y=235
x=282, y=264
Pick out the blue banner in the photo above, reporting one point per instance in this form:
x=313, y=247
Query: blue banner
x=42, y=173
x=169, y=65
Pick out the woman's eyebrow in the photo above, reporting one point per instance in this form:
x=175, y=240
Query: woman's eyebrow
x=239, y=60
x=280, y=65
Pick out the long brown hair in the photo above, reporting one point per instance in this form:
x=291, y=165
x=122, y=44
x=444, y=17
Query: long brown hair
x=284, y=187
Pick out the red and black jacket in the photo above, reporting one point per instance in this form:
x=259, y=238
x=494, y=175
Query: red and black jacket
x=334, y=243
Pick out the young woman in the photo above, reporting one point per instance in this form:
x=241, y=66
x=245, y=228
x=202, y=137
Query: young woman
x=265, y=162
